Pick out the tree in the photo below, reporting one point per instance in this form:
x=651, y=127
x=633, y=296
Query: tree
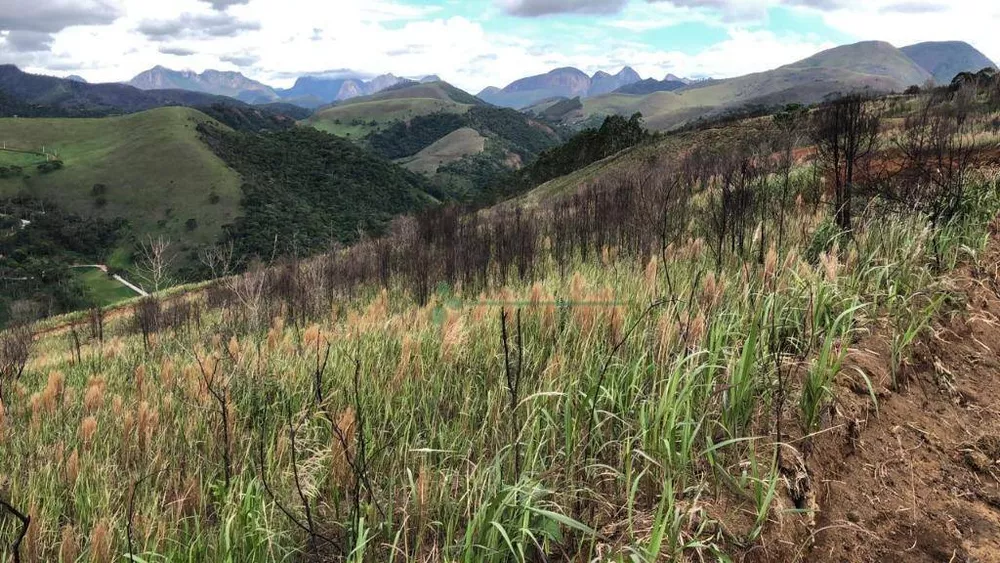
x=790, y=125
x=845, y=132
x=155, y=259
x=938, y=152
x=15, y=349
x=219, y=259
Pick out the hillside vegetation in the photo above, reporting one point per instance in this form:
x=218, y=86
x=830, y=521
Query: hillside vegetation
x=405, y=123
x=679, y=362
x=150, y=167
x=448, y=149
x=305, y=190
x=38, y=242
x=360, y=116
x=872, y=66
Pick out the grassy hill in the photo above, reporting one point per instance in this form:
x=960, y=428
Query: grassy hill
x=149, y=167
x=361, y=116
x=418, y=125
x=871, y=65
x=451, y=148
x=640, y=371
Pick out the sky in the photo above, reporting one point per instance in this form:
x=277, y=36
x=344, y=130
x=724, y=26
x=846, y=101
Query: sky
x=471, y=43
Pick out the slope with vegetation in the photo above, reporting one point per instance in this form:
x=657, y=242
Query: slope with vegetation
x=37, y=242
x=149, y=167
x=867, y=66
x=361, y=116
x=305, y=190
x=406, y=122
x=689, y=360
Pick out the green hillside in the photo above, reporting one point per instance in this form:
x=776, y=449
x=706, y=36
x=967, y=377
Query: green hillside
x=871, y=65
x=149, y=167
x=361, y=116
x=451, y=148
x=306, y=189
x=418, y=125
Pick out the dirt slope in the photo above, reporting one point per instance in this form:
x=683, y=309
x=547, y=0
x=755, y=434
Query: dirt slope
x=920, y=480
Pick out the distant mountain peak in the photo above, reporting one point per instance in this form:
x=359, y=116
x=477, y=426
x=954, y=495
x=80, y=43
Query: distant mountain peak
x=564, y=82
x=945, y=59
x=318, y=90
x=217, y=82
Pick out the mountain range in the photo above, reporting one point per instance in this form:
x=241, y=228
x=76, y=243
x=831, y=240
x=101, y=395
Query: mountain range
x=309, y=91
x=874, y=66
x=316, y=91
x=567, y=82
x=72, y=98
x=220, y=83
x=867, y=64
x=567, y=92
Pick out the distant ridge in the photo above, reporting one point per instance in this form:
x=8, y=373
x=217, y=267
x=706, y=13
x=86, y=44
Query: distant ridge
x=37, y=95
x=651, y=85
x=945, y=59
x=219, y=83
x=316, y=91
x=873, y=66
x=567, y=82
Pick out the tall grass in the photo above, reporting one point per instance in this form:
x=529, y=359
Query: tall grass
x=641, y=425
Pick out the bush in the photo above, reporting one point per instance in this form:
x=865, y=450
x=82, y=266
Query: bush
x=191, y=224
x=50, y=166
x=10, y=171
x=822, y=241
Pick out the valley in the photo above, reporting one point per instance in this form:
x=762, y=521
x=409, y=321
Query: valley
x=317, y=314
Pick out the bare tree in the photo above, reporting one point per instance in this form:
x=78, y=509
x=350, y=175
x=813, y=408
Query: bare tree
x=845, y=132
x=938, y=154
x=155, y=258
x=790, y=125
x=248, y=289
x=219, y=259
x=15, y=349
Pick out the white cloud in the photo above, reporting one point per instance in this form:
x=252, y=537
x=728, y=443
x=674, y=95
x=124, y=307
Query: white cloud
x=280, y=39
x=905, y=23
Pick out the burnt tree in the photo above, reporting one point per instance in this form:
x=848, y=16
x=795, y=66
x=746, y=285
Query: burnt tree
x=845, y=132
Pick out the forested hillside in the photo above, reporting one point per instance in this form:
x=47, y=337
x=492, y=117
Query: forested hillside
x=304, y=190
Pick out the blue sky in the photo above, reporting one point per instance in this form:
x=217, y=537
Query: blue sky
x=472, y=43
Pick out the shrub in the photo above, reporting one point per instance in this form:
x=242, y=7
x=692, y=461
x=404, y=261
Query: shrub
x=50, y=166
